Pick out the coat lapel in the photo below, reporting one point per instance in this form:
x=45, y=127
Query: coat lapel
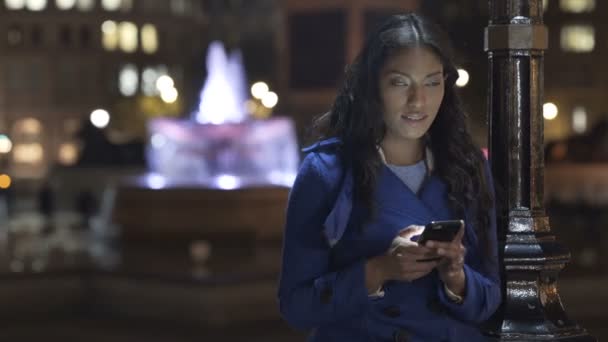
x=398, y=207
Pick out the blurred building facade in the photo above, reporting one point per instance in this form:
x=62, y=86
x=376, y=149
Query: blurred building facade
x=576, y=77
x=62, y=59
x=316, y=39
x=574, y=72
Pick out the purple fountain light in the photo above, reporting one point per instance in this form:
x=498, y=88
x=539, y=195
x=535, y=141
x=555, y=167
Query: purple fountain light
x=223, y=96
x=221, y=147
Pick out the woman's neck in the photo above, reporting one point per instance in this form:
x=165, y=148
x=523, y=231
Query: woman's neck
x=402, y=152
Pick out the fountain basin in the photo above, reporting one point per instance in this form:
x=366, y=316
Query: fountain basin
x=225, y=156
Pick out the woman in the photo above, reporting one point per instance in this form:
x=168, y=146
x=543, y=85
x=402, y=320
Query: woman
x=394, y=155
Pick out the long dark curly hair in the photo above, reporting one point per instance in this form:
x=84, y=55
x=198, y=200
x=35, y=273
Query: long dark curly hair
x=356, y=119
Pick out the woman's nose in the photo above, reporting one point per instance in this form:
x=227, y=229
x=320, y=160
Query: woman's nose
x=416, y=97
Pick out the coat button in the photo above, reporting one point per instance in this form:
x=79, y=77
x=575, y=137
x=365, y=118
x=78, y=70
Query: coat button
x=326, y=295
x=392, y=311
x=401, y=336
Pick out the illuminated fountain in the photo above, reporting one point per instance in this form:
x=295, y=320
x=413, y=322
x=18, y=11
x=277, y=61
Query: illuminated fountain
x=220, y=146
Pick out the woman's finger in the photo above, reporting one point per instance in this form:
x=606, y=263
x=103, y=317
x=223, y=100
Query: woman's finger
x=414, y=250
x=410, y=231
x=458, y=238
x=419, y=266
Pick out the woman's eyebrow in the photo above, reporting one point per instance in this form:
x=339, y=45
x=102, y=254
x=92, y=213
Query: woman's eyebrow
x=394, y=71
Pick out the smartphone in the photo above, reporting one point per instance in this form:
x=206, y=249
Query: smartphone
x=443, y=231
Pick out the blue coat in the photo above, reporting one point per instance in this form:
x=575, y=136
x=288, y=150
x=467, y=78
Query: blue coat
x=322, y=283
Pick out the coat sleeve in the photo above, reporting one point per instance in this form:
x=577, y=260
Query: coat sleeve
x=482, y=290
x=310, y=293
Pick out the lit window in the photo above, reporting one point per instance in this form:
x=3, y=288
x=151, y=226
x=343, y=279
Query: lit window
x=149, y=38
x=85, y=5
x=26, y=134
x=35, y=5
x=577, y=6
x=578, y=38
x=110, y=5
x=28, y=153
x=579, y=120
x=148, y=81
x=128, y=80
x=545, y=5
x=149, y=77
x=109, y=35
x=65, y=4
x=28, y=126
x=68, y=153
x=127, y=32
x=115, y=5
x=14, y=4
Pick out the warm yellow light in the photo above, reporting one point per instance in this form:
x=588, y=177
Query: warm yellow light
x=109, y=35
x=169, y=95
x=550, y=111
x=251, y=106
x=35, y=5
x=28, y=153
x=65, y=4
x=149, y=38
x=270, y=99
x=30, y=126
x=127, y=32
x=259, y=89
x=5, y=144
x=165, y=82
x=85, y=5
x=110, y=5
x=109, y=27
x=463, y=78
x=578, y=38
x=577, y=6
x=14, y=4
x=5, y=181
x=68, y=154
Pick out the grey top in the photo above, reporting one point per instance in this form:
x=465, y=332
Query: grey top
x=412, y=175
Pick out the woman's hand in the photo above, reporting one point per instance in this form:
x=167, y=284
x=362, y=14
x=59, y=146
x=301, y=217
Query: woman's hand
x=451, y=266
x=401, y=262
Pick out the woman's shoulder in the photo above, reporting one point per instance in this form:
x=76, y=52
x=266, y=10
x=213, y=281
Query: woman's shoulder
x=324, y=159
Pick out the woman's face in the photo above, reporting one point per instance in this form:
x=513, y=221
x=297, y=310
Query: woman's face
x=411, y=91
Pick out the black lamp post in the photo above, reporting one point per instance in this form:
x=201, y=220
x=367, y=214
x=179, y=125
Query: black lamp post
x=515, y=40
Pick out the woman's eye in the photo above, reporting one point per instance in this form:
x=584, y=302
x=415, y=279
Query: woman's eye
x=399, y=83
x=433, y=84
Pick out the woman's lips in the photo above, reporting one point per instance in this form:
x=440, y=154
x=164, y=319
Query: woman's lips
x=414, y=118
